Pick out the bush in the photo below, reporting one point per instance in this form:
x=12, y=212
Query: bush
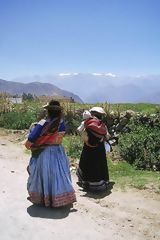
x=73, y=146
x=141, y=147
x=17, y=120
x=72, y=122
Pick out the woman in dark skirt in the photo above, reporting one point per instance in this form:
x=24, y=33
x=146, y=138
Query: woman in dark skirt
x=93, y=170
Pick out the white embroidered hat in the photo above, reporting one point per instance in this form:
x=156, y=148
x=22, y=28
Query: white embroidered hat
x=98, y=110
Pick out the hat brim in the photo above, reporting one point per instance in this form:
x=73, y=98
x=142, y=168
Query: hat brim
x=46, y=105
x=98, y=110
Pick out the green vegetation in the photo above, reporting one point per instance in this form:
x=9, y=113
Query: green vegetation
x=124, y=176
x=140, y=146
x=73, y=146
x=119, y=107
x=137, y=107
x=29, y=110
x=17, y=120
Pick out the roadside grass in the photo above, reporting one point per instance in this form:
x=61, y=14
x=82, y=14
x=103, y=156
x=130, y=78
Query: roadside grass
x=126, y=176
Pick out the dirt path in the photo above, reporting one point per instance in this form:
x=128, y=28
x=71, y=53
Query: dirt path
x=118, y=215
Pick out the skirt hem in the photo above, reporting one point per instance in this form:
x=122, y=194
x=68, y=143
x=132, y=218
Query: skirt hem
x=52, y=201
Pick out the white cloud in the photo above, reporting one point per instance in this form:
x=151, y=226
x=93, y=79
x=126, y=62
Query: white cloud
x=104, y=74
x=97, y=74
x=64, y=74
x=110, y=75
x=68, y=74
x=94, y=74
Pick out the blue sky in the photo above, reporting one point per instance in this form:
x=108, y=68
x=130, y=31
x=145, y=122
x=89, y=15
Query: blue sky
x=39, y=37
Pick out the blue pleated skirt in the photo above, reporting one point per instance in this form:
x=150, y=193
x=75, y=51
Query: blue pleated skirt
x=49, y=181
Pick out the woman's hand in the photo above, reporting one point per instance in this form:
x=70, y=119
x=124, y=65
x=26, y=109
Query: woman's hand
x=28, y=144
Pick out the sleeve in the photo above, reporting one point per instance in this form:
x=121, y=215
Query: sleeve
x=35, y=133
x=81, y=127
x=62, y=127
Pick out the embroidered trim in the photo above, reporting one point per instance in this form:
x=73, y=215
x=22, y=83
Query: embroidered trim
x=52, y=201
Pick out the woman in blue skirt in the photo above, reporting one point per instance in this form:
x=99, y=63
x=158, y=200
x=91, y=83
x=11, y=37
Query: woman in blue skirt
x=49, y=181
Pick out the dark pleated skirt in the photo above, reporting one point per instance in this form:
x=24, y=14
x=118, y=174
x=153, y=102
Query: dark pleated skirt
x=93, y=168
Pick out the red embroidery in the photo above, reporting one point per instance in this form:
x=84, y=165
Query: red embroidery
x=53, y=201
x=49, y=139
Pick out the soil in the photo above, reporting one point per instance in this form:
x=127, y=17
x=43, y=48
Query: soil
x=115, y=215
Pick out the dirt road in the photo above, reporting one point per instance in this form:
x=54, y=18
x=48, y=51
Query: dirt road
x=116, y=215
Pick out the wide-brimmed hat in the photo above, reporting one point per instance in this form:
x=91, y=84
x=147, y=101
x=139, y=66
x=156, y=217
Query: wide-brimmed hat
x=45, y=106
x=99, y=110
x=53, y=105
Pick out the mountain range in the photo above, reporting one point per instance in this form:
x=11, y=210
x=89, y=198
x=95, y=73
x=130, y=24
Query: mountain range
x=91, y=87
x=35, y=88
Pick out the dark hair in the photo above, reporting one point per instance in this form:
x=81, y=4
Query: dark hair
x=54, y=109
x=54, y=103
x=96, y=114
x=54, y=112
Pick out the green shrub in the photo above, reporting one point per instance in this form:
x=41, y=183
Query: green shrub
x=141, y=147
x=72, y=122
x=73, y=146
x=17, y=120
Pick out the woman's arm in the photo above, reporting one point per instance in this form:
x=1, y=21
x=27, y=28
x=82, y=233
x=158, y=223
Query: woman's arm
x=35, y=133
x=28, y=144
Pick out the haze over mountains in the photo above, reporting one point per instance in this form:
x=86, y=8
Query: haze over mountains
x=105, y=87
x=89, y=88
